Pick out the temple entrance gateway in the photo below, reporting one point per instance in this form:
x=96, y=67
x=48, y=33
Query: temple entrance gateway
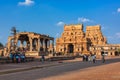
x=70, y=48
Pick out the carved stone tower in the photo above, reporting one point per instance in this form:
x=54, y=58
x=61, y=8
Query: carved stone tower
x=95, y=36
x=72, y=40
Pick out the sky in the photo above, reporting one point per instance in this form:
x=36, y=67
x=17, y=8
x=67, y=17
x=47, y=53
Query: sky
x=49, y=16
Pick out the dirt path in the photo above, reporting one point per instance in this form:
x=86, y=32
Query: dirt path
x=103, y=72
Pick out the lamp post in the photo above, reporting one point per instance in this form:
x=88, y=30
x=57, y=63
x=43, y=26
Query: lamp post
x=14, y=32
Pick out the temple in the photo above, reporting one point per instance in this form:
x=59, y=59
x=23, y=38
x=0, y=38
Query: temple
x=33, y=44
x=74, y=40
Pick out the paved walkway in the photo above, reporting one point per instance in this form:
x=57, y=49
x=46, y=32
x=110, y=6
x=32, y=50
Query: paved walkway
x=35, y=64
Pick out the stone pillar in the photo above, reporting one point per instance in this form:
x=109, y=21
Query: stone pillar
x=9, y=44
x=66, y=48
x=43, y=44
x=74, y=48
x=48, y=44
x=16, y=41
x=109, y=53
x=113, y=53
x=53, y=45
x=31, y=46
x=27, y=45
x=38, y=45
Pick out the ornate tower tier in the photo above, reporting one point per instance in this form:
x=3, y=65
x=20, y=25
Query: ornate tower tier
x=94, y=34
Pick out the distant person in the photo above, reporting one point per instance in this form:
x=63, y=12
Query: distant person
x=22, y=57
x=17, y=57
x=42, y=58
x=11, y=55
x=87, y=57
x=103, y=58
x=94, y=58
x=90, y=57
x=84, y=57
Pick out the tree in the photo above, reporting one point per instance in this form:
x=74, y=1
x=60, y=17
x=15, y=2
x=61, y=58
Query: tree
x=1, y=45
x=119, y=51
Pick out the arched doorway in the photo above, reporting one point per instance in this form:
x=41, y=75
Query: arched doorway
x=70, y=48
x=116, y=53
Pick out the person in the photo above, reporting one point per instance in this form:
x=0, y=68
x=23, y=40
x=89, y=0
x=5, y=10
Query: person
x=12, y=56
x=16, y=57
x=94, y=58
x=84, y=57
x=90, y=57
x=103, y=58
x=42, y=58
x=22, y=57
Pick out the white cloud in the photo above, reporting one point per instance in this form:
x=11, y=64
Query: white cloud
x=82, y=19
x=57, y=35
x=60, y=23
x=26, y=3
x=118, y=35
x=102, y=27
x=110, y=37
x=118, y=10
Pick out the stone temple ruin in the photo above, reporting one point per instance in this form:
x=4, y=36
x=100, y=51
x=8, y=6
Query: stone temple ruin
x=33, y=44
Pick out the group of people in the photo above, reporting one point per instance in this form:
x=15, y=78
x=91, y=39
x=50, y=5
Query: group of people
x=92, y=57
x=17, y=56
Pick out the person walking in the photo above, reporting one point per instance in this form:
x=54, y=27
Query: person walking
x=84, y=57
x=94, y=58
x=103, y=58
x=42, y=58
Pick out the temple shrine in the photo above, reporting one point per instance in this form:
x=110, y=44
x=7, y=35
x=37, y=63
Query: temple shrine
x=34, y=44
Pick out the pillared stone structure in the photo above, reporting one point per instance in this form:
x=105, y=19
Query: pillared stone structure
x=34, y=44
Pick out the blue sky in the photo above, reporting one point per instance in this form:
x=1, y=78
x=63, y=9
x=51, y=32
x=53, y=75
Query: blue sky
x=49, y=16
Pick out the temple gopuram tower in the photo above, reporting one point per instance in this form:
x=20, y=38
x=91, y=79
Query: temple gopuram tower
x=95, y=36
x=72, y=40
